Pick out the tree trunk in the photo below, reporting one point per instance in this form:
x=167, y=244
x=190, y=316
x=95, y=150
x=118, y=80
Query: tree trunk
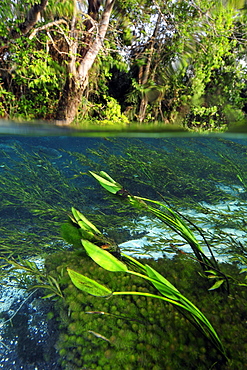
x=145, y=75
x=69, y=101
x=143, y=108
x=76, y=81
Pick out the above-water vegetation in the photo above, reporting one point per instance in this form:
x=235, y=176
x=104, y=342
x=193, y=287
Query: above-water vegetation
x=183, y=311
x=124, y=63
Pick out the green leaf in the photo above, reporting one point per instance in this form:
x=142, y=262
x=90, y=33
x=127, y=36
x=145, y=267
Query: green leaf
x=243, y=270
x=163, y=285
x=49, y=296
x=211, y=272
x=217, y=284
x=157, y=276
x=111, y=186
x=88, y=285
x=134, y=262
x=83, y=222
x=103, y=258
x=107, y=177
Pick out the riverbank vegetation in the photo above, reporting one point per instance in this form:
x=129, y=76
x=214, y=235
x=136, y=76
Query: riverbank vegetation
x=116, y=63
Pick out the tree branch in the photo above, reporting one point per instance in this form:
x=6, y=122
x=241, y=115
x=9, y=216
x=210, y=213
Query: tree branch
x=46, y=26
x=31, y=19
x=91, y=54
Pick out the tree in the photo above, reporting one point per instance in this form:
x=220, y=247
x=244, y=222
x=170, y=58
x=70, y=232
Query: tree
x=74, y=39
x=192, y=54
x=82, y=58
x=175, y=61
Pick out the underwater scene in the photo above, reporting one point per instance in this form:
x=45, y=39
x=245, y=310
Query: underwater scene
x=123, y=253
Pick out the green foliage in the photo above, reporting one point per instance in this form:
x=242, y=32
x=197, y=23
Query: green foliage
x=185, y=172
x=59, y=9
x=36, y=194
x=104, y=258
x=168, y=216
x=194, y=73
x=39, y=78
x=153, y=331
x=168, y=291
x=130, y=330
x=111, y=113
x=88, y=285
x=178, y=62
x=7, y=102
x=71, y=234
x=28, y=275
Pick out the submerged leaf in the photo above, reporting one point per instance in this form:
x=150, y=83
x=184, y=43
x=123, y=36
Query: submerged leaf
x=83, y=222
x=217, y=284
x=161, y=279
x=88, y=285
x=107, y=182
x=104, y=258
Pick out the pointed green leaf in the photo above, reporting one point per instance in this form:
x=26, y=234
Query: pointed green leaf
x=212, y=272
x=88, y=285
x=112, y=187
x=163, y=285
x=157, y=276
x=217, y=285
x=107, y=177
x=243, y=270
x=83, y=222
x=49, y=296
x=103, y=258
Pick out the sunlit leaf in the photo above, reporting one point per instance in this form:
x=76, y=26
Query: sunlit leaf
x=111, y=186
x=157, y=276
x=83, y=222
x=103, y=258
x=88, y=285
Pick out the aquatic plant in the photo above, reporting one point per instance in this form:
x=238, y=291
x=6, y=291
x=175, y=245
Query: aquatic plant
x=109, y=262
x=171, y=219
x=38, y=184
x=29, y=276
x=138, y=332
x=185, y=171
x=35, y=195
x=169, y=292
x=149, y=328
x=77, y=313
